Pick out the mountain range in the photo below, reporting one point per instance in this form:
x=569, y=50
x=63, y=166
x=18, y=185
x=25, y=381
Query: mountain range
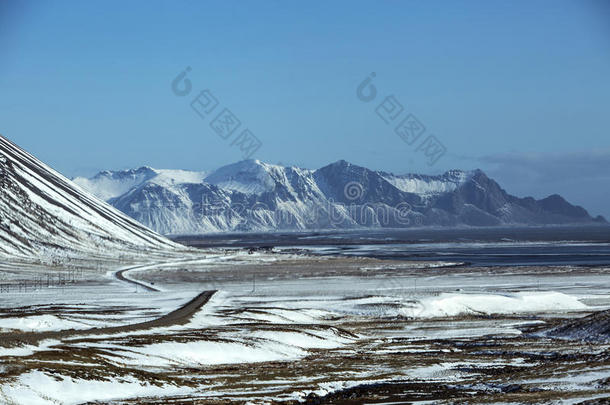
x=255, y=196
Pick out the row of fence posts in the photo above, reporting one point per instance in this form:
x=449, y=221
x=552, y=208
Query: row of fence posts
x=47, y=280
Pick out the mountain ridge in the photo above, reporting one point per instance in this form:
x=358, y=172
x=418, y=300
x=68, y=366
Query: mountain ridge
x=255, y=196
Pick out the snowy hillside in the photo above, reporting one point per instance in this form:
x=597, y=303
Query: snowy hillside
x=248, y=177
x=44, y=214
x=252, y=195
x=428, y=185
x=106, y=185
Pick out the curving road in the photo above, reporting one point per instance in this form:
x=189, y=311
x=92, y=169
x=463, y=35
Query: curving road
x=180, y=316
x=120, y=276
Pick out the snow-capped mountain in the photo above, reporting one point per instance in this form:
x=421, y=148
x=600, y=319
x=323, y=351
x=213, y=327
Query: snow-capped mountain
x=252, y=195
x=43, y=214
x=107, y=184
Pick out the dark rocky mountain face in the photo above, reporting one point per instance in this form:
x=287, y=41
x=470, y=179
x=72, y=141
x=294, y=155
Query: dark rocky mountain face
x=252, y=195
x=367, y=186
x=555, y=204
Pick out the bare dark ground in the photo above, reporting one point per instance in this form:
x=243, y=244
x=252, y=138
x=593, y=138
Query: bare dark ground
x=180, y=316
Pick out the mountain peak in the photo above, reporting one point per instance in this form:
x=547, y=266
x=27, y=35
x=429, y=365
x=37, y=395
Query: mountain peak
x=556, y=204
x=341, y=163
x=247, y=176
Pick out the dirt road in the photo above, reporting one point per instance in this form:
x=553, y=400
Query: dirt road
x=120, y=275
x=180, y=316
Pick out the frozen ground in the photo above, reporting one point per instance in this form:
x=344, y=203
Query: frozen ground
x=289, y=328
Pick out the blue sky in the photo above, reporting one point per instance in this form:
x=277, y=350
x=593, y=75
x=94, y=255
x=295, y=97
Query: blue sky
x=520, y=89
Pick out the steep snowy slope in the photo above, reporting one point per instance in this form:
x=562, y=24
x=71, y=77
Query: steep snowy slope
x=252, y=195
x=44, y=214
x=428, y=186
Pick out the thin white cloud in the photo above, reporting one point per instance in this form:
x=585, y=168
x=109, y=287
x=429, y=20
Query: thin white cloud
x=554, y=167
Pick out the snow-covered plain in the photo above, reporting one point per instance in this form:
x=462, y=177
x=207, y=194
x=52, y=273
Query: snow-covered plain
x=276, y=319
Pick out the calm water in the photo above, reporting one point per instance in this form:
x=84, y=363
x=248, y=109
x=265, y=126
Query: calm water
x=566, y=245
